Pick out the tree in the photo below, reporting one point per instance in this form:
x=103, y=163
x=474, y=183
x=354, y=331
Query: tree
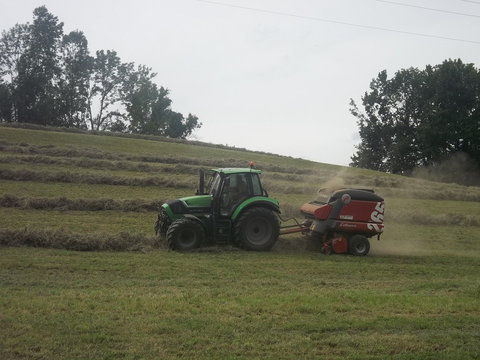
x=417, y=118
x=37, y=69
x=145, y=103
x=189, y=125
x=109, y=77
x=49, y=78
x=149, y=110
x=6, y=105
x=73, y=82
x=13, y=44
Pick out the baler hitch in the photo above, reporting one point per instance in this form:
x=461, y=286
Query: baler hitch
x=296, y=228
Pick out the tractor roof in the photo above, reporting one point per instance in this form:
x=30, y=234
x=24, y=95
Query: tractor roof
x=229, y=171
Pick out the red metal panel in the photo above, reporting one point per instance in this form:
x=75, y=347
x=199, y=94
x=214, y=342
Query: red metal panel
x=309, y=208
x=363, y=211
x=358, y=227
x=340, y=245
x=322, y=212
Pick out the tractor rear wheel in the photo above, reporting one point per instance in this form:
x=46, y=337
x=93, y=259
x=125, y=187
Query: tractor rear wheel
x=257, y=229
x=185, y=234
x=358, y=245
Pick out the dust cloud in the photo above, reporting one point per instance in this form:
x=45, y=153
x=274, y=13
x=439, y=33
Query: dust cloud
x=330, y=186
x=457, y=168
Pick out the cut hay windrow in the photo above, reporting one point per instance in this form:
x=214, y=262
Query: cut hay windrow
x=86, y=178
x=99, y=164
x=63, y=203
x=64, y=239
x=74, y=152
x=161, y=181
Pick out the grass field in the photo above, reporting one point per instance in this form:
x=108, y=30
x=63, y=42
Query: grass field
x=415, y=296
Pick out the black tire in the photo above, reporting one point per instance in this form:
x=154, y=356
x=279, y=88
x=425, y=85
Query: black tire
x=162, y=223
x=358, y=245
x=185, y=234
x=257, y=229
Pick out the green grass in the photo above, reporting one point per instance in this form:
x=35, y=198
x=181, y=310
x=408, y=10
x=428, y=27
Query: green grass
x=242, y=305
x=414, y=297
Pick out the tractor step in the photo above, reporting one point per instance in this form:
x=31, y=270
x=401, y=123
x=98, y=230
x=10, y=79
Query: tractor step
x=223, y=231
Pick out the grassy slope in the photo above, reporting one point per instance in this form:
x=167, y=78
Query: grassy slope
x=415, y=296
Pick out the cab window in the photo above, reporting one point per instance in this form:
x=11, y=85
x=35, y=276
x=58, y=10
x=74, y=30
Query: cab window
x=215, y=184
x=257, y=188
x=235, y=190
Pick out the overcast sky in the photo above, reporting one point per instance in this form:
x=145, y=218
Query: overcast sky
x=270, y=75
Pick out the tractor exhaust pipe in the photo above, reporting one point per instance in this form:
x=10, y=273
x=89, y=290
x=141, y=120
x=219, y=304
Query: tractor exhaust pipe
x=201, y=183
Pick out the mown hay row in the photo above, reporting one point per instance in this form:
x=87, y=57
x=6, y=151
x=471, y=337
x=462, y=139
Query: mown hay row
x=64, y=239
x=70, y=152
x=63, y=203
x=99, y=164
x=130, y=136
x=85, y=178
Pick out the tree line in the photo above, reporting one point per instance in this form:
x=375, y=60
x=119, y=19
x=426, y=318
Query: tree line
x=419, y=118
x=49, y=78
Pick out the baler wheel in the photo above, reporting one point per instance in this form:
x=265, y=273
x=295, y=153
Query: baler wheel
x=185, y=234
x=358, y=245
x=257, y=229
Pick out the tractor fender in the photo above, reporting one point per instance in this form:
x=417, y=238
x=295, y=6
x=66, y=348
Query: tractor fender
x=197, y=220
x=169, y=211
x=194, y=218
x=259, y=201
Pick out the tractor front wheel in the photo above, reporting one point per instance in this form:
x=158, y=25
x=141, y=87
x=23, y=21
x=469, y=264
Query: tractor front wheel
x=162, y=223
x=185, y=234
x=257, y=229
x=358, y=245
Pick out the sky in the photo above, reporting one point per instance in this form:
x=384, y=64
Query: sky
x=271, y=75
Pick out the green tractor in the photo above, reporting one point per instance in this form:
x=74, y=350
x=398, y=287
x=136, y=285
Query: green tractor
x=232, y=208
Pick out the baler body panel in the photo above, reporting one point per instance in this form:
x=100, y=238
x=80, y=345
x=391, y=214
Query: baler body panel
x=348, y=211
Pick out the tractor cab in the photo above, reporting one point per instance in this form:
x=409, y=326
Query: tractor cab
x=229, y=188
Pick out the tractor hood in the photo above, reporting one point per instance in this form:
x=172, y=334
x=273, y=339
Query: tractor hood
x=189, y=205
x=197, y=201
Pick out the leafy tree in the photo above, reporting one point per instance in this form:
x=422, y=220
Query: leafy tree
x=149, y=108
x=143, y=102
x=37, y=69
x=452, y=111
x=109, y=77
x=49, y=78
x=5, y=103
x=73, y=82
x=418, y=118
x=188, y=125
x=13, y=44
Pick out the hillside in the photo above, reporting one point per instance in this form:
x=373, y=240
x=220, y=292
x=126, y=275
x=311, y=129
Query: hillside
x=92, y=183
x=414, y=295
